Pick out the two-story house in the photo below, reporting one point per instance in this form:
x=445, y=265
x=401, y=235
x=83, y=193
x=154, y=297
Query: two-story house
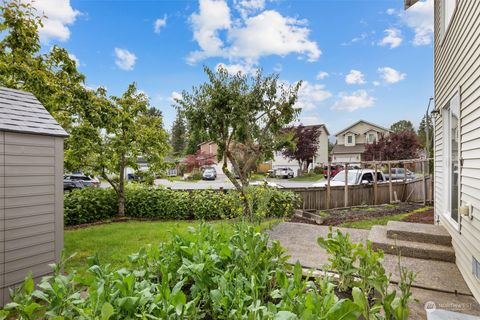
x=352, y=140
x=320, y=158
x=457, y=130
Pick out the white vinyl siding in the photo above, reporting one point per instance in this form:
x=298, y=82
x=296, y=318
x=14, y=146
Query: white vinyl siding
x=457, y=69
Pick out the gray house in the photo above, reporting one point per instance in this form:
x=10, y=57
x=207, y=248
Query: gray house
x=457, y=130
x=31, y=189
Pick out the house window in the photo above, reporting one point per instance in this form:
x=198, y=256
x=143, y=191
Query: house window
x=448, y=8
x=371, y=138
x=350, y=140
x=451, y=157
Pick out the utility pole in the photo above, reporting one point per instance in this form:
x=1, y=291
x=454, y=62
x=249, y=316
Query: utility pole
x=427, y=133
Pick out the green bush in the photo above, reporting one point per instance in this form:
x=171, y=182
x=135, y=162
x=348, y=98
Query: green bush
x=89, y=205
x=205, y=275
x=95, y=204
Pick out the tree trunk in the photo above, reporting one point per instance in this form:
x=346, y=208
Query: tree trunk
x=247, y=212
x=121, y=188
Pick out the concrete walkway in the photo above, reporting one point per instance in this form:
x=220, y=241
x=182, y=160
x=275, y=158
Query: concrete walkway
x=436, y=281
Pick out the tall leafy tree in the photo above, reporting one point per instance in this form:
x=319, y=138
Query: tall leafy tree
x=243, y=115
x=123, y=131
x=52, y=77
x=178, y=137
x=305, y=145
x=396, y=146
x=402, y=126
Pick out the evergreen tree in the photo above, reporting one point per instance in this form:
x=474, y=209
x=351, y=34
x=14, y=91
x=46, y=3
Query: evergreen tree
x=179, y=132
x=402, y=126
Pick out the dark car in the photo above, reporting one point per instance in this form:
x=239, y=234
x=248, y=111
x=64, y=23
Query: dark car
x=69, y=185
x=86, y=180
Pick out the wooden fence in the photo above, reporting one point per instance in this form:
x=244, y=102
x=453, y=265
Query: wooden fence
x=417, y=190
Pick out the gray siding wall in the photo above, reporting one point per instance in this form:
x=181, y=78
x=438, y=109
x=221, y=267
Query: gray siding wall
x=31, y=206
x=457, y=68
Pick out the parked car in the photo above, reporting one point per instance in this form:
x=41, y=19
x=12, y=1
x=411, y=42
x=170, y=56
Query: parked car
x=69, y=185
x=209, y=174
x=285, y=173
x=334, y=169
x=399, y=174
x=355, y=177
x=87, y=181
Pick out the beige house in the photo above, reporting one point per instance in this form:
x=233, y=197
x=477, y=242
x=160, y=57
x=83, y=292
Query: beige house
x=457, y=130
x=31, y=189
x=320, y=159
x=352, y=140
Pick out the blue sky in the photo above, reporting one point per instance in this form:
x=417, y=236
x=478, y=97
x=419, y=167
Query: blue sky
x=358, y=59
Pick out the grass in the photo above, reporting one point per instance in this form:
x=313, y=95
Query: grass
x=309, y=178
x=113, y=242
x=369, y=223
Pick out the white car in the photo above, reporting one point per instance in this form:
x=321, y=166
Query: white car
x=355, y=177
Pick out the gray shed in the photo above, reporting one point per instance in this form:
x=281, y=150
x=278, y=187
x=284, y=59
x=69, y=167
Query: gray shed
x=31, y=189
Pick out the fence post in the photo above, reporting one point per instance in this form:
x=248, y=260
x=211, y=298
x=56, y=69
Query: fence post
x=375, y=200
x=346, y=186
x=390, y=186
x=328, y=185
x=424, y=184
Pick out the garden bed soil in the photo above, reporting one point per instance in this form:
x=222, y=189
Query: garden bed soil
x=426, y=217
x=336, y=217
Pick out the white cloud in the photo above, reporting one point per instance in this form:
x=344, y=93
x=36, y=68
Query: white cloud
x=390, y=75
x=355, y=77
x=391, y=11
x=236, y=68
x=376, y=83
x=321, y=75
x=213, y=16
x=250, y=37
x=419, y=17
x=159, y=24
x=359, y=38
x=310, y=95
x=125, y=59
x=59, y=15
x=308, y=120
x=393, y=38
x=74, y=58
x=247, y=7
x=356, y=100
x=175, y=95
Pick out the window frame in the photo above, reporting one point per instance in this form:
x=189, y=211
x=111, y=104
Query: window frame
x=445, y=27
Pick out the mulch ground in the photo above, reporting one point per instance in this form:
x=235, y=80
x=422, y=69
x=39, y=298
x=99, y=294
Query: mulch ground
x=426, y=217
x=335, y=217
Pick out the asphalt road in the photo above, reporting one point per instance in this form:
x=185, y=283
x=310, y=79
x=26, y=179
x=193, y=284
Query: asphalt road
x=221, y=182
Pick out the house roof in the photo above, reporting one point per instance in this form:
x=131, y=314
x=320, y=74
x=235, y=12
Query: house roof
x=21, y=112
x=341, y=149
x=409, y=3
x=321, y=125
x=360, y=121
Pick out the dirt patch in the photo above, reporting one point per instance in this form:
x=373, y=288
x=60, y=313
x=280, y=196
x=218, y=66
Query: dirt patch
x=335, y=217
x=426, y=217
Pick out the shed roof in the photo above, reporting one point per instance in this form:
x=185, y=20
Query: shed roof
x=21, y=112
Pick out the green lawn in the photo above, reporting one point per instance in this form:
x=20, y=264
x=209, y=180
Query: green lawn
x=309, y=178
x=369, y=223
x=113, y=242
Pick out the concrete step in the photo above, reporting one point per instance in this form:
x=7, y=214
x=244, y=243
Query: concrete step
x=418, y=232
x=380, y=240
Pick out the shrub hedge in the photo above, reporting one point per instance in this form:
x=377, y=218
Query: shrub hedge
x=94, y=204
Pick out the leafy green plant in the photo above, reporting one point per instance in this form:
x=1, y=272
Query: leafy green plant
x=343, y=254
x=141, y=201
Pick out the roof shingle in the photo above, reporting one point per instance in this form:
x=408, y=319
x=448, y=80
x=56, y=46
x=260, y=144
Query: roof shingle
x=21, y=112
